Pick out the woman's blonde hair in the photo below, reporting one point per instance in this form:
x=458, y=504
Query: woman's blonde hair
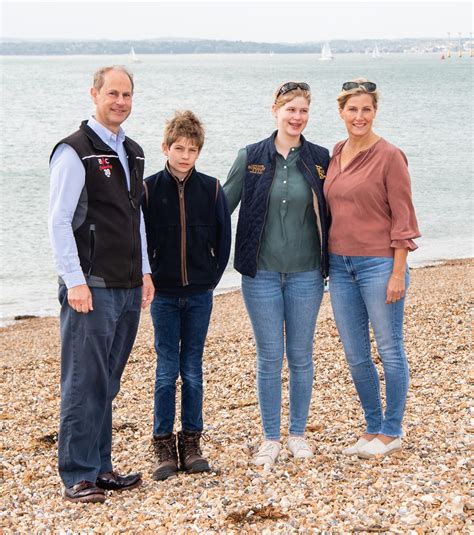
x=281, y=100
x=344, y=96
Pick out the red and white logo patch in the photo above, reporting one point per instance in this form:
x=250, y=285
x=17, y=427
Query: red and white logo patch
x=105, y=165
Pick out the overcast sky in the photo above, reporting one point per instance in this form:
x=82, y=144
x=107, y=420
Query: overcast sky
x=257, y=21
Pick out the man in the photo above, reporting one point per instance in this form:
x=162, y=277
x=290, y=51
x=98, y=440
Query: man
x=99, y=244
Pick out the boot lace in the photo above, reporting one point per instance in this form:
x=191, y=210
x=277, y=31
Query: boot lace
x=191, y=444
x=164, y=449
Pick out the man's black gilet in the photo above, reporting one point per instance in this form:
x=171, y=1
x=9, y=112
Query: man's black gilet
x=106, y=223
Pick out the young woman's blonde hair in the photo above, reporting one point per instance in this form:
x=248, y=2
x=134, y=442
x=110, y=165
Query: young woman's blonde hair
x=344, y=96
x=281, y=100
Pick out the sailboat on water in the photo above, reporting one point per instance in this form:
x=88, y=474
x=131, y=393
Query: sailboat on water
x=376, y=53
x=326, y=54
x=133, y=57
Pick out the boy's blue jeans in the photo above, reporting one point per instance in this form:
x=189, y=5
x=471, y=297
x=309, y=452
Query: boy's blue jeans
x=181, y=325
x=358, y=287
x=283, y=305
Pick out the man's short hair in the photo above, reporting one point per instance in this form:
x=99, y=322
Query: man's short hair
x=184, y=124
x=100, y=74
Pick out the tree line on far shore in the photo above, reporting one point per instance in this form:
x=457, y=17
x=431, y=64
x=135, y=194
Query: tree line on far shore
x=10, y=47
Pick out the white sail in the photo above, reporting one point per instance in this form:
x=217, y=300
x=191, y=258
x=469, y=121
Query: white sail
x=133, y=56
x=376, y=53
x=326, y=54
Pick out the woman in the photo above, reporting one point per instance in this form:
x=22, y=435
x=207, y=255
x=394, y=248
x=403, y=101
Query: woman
x=373, y=225
x=281, y=252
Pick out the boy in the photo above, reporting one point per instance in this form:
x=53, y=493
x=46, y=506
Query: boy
x=189, y=234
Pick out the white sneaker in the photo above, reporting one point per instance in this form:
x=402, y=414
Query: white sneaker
x=354, y=449
x=299, y=448
x=376, y=447
x=268, y=453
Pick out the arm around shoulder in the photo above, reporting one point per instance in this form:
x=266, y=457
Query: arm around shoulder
x=224, y=232
x=235, y=180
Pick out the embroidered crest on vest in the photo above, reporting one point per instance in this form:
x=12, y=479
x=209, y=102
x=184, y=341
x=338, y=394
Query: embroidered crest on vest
x=104, y=165
x=256, y=168
x=321, y=173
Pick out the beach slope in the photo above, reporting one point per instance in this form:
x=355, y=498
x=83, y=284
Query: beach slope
x=424, y=487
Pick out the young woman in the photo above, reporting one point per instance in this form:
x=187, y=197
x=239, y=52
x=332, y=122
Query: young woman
x=373, y=225
x=281, y=252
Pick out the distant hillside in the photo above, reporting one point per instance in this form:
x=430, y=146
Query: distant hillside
x=10, y=47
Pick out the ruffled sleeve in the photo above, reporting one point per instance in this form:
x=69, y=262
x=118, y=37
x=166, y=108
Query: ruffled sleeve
x=404, y=224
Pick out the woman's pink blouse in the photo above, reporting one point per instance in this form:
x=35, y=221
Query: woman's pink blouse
x=370, y=202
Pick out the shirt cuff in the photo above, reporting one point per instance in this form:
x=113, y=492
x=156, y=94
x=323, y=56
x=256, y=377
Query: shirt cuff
x=146, y=269
x=404, y=244
x=76, y=278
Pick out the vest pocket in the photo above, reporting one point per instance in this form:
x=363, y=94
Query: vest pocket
x=212, y=257
x=92, y=240
x=154, y=258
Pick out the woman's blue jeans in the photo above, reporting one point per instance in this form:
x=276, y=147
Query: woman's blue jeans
x=283, y=305
x=358, y=286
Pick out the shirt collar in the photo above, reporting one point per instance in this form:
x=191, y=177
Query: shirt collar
x=104, y=133
x=292, y=150
x=168, y=168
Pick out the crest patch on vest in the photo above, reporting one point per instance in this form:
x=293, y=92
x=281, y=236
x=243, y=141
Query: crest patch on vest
x=105, y=166
x=258, y=169
x=321, y=173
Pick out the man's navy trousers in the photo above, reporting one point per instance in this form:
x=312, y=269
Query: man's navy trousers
x=94, y=350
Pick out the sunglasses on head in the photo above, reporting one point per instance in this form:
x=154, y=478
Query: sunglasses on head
x=368, y=86
x=291, y=86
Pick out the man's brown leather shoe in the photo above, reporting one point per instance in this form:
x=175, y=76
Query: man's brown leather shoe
x=114, y=481
x=85, y=492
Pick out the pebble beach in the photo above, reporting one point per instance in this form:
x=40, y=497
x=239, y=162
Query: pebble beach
x=424, y=488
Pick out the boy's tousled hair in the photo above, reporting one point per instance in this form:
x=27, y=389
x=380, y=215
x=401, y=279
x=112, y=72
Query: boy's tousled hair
x=184, y=124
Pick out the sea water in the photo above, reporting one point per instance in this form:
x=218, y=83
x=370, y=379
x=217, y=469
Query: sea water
x=426, y=109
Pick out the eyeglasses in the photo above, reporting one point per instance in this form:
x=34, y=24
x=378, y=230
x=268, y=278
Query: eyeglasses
x=369, y=86
x=291, y=86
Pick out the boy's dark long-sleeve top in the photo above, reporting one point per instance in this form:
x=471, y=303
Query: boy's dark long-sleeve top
x=188, y=231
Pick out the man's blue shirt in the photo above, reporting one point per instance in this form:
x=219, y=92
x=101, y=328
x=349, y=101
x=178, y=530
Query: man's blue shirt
x=67, y=183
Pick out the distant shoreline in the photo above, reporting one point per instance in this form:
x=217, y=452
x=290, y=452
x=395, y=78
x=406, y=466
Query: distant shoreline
x=12, y=47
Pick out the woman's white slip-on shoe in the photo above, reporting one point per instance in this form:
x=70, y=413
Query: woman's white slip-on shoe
x=354, y=449
x=376, y=448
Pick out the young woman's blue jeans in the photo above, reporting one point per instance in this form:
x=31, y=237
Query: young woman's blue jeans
x=358, y=287
x=283, y=305
x=181, y=325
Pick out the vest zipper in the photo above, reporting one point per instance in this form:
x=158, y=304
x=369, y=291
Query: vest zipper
x=182, y=217
x=133, y=206
x=318, y=218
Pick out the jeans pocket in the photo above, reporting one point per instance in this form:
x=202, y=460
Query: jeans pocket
x=62, y=293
